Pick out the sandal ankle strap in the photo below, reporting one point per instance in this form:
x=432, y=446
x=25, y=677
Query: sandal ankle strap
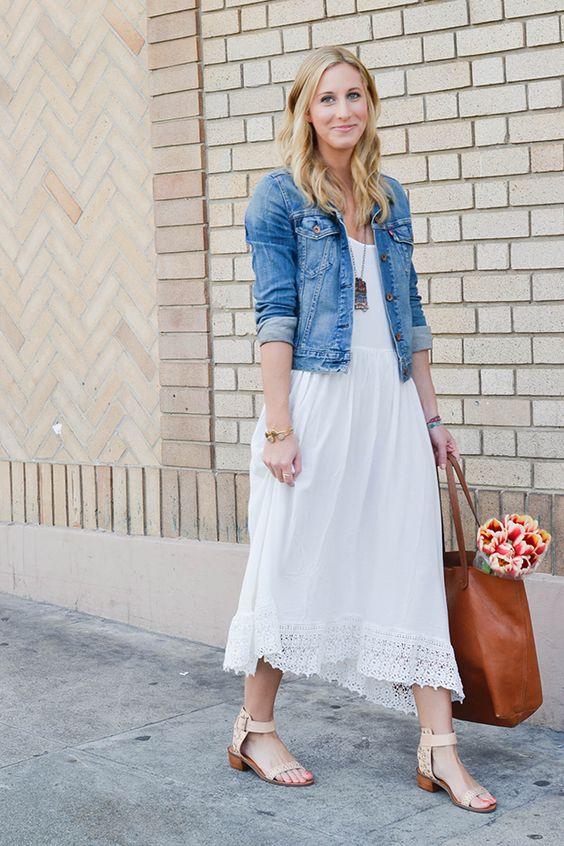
x=430, y=739
x=244, y=724
x=247, y=724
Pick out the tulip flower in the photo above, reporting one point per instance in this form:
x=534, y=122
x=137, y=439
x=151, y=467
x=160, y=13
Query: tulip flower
x=512, y=547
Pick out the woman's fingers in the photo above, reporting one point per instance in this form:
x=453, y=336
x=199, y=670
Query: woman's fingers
x=282, y=472
x=288, y=475
x=452, y=447
x=279, y=458
x=443, y=442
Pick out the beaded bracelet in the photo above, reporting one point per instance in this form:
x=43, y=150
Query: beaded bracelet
x=434, y=423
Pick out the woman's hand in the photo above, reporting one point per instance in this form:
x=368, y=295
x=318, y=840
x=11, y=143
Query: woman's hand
x=279, y=456
x=443, y=442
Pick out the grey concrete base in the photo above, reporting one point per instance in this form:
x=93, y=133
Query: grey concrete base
x=115, y=736
x=190, y=589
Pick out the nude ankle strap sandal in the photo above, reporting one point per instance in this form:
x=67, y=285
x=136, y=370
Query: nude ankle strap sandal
x=427, y=780
x=243, y=725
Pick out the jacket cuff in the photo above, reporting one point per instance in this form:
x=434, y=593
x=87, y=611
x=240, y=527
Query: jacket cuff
x=278, y=328
x=422, y=338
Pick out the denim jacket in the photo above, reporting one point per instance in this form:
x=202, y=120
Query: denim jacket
x=303, y=287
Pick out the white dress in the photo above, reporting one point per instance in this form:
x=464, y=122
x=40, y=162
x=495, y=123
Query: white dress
x=344, y=577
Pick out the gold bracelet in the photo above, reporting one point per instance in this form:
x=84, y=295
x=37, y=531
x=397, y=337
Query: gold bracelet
x=271, y=434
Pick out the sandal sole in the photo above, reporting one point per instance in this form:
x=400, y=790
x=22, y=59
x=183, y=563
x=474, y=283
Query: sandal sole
x=242, y=762
x=433, y=784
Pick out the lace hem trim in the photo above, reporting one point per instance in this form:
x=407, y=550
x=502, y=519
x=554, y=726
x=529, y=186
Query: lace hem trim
x=378, y=663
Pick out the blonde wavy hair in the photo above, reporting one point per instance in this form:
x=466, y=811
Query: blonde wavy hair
x=300, y=154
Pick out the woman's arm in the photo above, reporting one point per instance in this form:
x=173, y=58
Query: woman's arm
x=441, y=438
x=276, y=366
x=280, y=456
x=421, y=372
x=269, y=232
x=421, y=343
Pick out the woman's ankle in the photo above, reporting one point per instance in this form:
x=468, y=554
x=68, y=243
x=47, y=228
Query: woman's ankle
x=259, y=713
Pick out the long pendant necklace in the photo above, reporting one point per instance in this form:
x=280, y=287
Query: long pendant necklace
x=360, y=292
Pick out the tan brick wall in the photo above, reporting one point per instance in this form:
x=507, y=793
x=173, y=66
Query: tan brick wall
x=78, y=314
x=181, y=237
x=177, y=502
x=471, y=125
x=168, y=502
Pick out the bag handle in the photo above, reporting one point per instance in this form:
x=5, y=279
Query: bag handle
x=455, y=507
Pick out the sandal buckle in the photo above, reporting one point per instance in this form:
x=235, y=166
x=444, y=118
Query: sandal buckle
x=243, y=722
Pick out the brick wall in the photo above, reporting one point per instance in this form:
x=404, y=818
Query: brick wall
x=78, y=312
x=471, y=125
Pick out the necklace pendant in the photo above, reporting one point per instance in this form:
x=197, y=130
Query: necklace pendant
x=360, y=295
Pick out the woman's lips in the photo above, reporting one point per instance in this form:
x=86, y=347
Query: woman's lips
x=342, y=128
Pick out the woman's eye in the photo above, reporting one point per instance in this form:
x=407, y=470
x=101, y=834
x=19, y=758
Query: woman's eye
x=329, y=97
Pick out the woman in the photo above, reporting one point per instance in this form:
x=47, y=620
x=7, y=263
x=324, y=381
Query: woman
x=344, y=577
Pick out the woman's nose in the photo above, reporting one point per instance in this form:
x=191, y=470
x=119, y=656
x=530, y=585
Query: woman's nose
x=343, y=110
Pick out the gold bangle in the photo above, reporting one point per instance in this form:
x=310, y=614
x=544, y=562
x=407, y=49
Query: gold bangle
x=272, y=434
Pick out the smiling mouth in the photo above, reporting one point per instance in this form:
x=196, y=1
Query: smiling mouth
x=343, y=127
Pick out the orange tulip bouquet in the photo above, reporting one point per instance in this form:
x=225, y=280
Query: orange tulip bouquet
x=511, y=549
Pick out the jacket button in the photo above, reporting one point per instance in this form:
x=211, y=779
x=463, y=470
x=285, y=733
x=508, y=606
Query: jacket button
x=317, y=228
x=389, y=295
x=384, y=256
x=398, y=336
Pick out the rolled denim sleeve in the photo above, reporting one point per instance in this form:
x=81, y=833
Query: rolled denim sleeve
x=421, y=337
x=269, y=232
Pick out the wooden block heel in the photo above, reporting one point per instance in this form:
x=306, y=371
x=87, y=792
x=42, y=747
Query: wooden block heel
x=426, y=783
x=236, y=762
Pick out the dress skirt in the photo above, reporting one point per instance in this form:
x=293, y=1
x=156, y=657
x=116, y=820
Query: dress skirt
x=344, y=577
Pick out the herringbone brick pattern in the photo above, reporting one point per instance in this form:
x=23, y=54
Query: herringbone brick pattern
x=78, y=313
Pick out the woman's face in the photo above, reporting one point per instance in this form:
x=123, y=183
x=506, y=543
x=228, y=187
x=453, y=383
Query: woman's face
x=339, y=110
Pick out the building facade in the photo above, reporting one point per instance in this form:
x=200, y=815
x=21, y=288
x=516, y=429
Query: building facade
x=133, y=134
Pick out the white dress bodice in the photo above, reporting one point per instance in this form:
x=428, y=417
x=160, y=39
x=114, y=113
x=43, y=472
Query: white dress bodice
x=370, y=327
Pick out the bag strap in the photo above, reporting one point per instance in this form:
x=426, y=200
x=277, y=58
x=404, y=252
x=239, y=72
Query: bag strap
x=455, y=507
x=465, y=487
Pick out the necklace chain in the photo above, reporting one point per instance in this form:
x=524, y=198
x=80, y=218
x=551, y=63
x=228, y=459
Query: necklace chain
x=360, y=292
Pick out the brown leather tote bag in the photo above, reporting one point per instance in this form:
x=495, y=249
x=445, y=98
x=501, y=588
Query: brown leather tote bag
x=490, y=631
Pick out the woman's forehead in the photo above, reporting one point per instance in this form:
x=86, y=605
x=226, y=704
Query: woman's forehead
x=340, y=76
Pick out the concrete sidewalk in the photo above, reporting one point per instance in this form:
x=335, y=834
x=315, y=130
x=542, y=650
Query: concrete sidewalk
x=114, y=736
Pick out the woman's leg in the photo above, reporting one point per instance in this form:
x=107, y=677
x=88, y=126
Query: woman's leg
x=266, y=748
x=434, y=710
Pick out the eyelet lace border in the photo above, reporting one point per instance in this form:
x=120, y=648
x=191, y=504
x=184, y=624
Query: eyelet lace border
x=376, y=662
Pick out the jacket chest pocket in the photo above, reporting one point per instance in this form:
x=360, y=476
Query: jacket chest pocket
x=401, y=243
x=317, y=239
